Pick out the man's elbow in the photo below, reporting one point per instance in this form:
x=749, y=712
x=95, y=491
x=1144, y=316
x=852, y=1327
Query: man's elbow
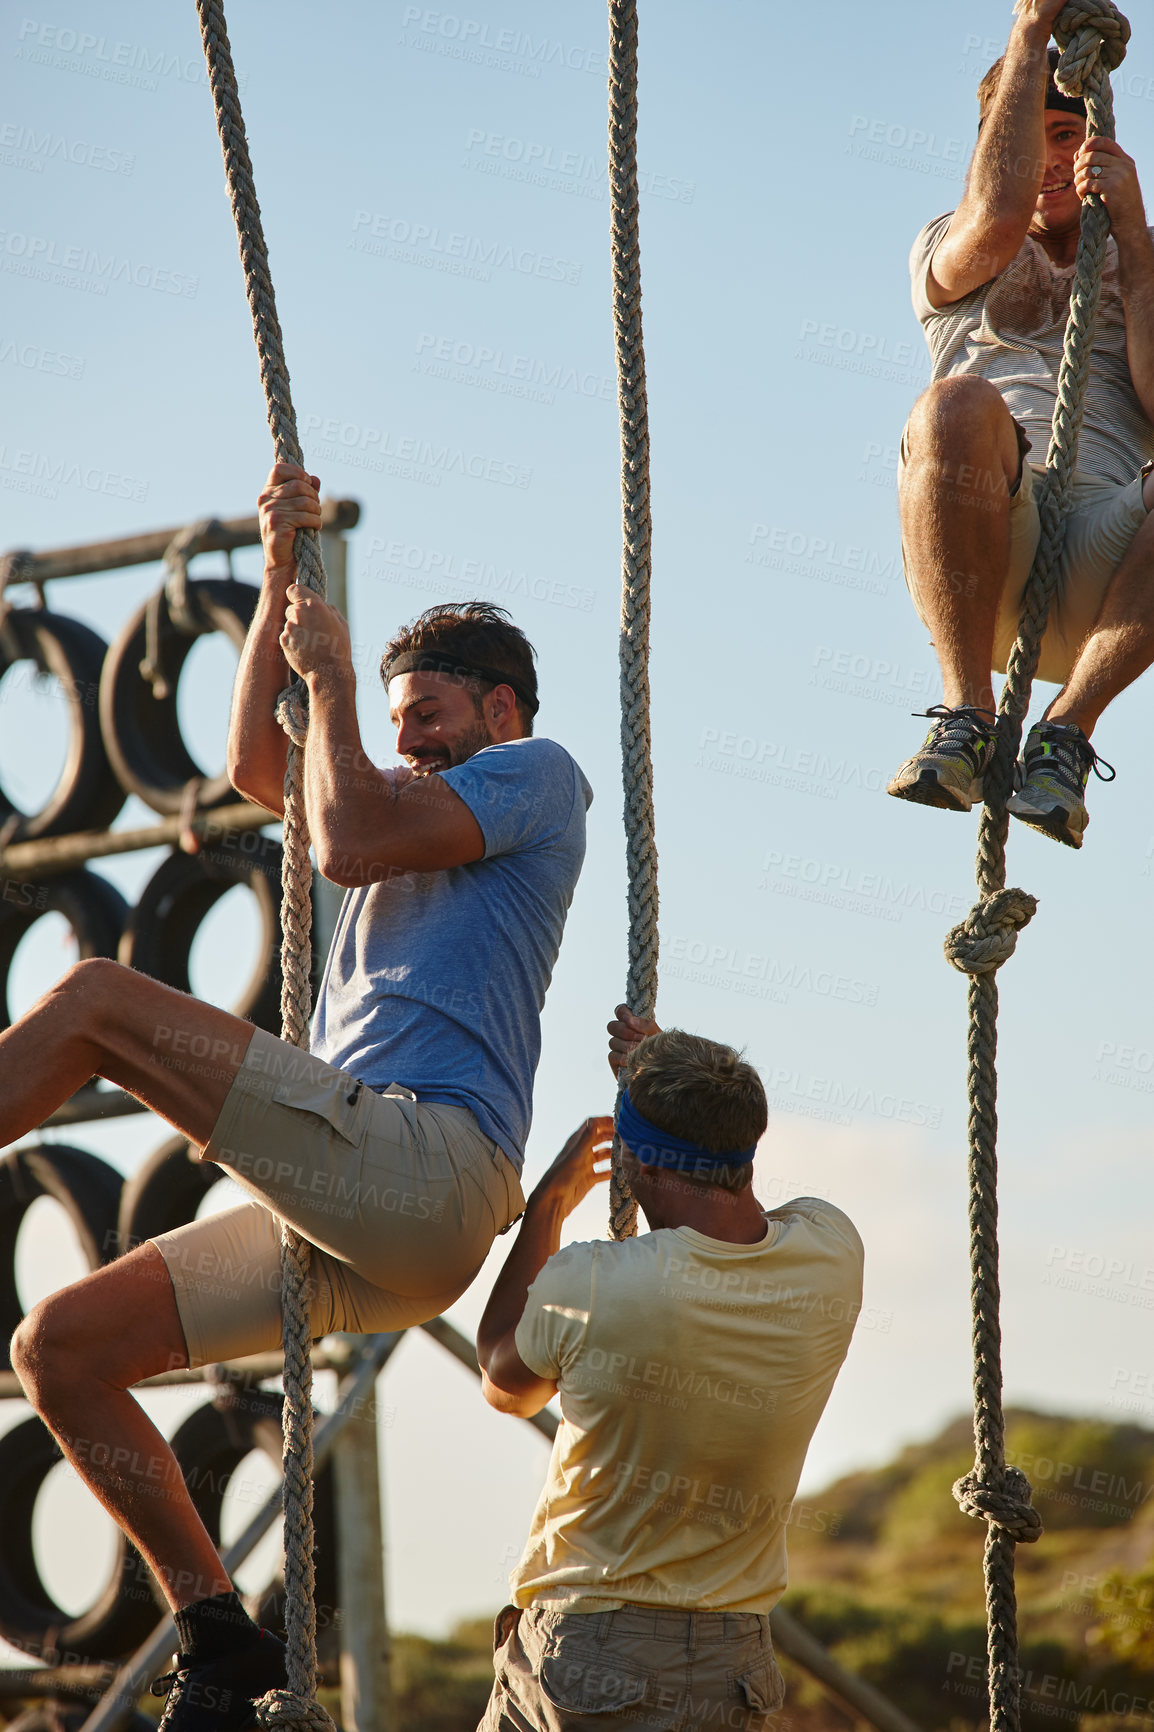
x=520, y=1404
x=343, y=863
x=993, y=246
x=250, y=787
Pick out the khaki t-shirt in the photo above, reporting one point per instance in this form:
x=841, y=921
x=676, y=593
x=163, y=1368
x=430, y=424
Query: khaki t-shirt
x=692, y=1373
x=1010, y=331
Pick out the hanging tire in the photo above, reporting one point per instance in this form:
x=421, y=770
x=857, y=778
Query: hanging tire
x=159, y=931
x=88, y=795
x=164, y=1193
x=141, y=730
x=92, y=906
x=121, y=1618
x=211, y=1444
x=88, y=1190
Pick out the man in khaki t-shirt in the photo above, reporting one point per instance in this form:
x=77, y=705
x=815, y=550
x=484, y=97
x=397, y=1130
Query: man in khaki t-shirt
x=693, y=1363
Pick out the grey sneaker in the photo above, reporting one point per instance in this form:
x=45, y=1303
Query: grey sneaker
x=1054, y=770
x=947, y=772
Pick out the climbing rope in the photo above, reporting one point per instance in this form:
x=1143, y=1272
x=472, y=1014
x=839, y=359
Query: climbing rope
x=293, y=1709
x=1093, y=37
x=633, y=651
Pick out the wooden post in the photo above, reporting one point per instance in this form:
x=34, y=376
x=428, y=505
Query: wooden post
x=366, y=1693
x=366, y=1682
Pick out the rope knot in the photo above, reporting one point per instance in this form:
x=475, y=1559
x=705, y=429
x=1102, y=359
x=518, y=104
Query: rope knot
x=285, y=1711
x=1006, y=1506
x=988, y=935
x=1092, y=35
x=292, y=712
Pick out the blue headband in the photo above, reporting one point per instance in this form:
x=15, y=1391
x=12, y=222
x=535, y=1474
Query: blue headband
x=654, y=1147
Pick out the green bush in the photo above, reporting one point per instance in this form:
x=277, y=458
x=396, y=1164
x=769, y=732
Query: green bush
x=443, y=1686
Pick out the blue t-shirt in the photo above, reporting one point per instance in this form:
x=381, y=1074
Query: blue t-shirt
x=436, y=980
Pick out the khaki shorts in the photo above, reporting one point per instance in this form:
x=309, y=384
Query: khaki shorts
x=638, y=1667
x=400, y=1198
x=1104, y=520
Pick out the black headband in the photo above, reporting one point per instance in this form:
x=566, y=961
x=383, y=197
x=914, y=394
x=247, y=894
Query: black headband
x=434, y=661
x=1056, y=98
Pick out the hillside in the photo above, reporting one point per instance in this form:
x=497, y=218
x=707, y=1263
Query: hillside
x=887, y=1572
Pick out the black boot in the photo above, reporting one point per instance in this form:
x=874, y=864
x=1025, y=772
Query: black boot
x=224, y=1665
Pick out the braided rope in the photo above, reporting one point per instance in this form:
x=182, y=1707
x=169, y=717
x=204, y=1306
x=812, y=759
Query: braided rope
x=1093, y=36
x=633, y=649
x=295, y=1708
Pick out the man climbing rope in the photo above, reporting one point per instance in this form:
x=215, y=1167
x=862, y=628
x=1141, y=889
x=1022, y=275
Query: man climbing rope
x=991, y=286
x=693, y=1363
x=394, y=1145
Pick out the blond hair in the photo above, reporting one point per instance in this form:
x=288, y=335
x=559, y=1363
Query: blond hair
x=703, y=1091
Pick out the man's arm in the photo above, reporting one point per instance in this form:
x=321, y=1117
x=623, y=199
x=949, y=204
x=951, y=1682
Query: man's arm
x=364, y=822
x=1117, y=185
x=991, y=222
x=509, y=1384
x=257, y=744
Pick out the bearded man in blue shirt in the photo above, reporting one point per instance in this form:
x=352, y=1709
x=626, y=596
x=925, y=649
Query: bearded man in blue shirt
x=394, y=1146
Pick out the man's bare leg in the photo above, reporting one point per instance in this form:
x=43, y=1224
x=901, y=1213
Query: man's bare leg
x=77, y=1355
x=1120, y=645
x=172, y=1052
x=962, y=463
x=80, y=1350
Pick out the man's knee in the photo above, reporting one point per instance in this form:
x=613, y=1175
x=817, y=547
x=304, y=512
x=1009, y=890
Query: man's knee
x=41, y=1352
x=91, y=989
x=962, y=408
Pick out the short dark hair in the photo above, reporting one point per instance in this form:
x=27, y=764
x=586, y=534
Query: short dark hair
x=703, y=1091
x=475, y=633
x=1055, y=98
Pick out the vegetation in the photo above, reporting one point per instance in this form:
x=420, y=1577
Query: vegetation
x=443, y=1686
x=887, y=1572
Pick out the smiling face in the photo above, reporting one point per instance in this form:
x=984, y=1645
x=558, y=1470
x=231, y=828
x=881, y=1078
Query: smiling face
x=440, y=721
x=1059, y=209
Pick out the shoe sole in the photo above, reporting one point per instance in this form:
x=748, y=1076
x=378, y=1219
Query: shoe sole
x=1054, y=823
x=928, y=791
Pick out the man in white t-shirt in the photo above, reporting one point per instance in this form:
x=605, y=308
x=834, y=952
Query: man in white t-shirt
x=991, y=286
x=693, y=1363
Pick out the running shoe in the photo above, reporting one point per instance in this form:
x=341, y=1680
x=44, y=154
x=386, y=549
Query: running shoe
x=218, y=1695
x=1053, y=772
x=947, y=772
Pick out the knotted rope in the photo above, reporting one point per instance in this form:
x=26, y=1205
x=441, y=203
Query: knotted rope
x=294, y=1709
x=1093, y=36
x=633, y=651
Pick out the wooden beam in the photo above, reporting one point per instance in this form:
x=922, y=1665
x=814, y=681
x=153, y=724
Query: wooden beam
x=22, y=566
x=61, y=853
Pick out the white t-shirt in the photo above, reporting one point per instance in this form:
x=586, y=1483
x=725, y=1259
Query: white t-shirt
x=692, y=1373
x=1010, y=331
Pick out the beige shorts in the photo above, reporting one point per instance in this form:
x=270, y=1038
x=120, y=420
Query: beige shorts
x=638, y=1667
x=1103, y=522
x=400, y=1198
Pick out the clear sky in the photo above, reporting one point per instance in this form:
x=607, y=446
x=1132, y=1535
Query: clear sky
x=434, y=201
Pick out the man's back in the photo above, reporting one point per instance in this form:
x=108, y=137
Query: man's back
x=692, y=1373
